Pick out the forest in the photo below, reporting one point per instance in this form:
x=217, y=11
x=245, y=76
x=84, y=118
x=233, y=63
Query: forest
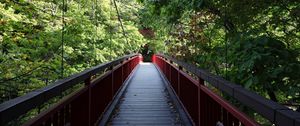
x=254, y=43
x=41, y=43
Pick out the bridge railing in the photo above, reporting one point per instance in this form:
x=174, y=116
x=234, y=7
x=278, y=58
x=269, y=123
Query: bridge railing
x=206, y=108
x=83, y=107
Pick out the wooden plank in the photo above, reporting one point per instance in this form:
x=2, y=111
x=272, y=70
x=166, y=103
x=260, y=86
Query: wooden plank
x=146, y=101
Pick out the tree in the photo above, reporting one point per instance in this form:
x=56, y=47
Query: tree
x=253, y=43
x=31, y=40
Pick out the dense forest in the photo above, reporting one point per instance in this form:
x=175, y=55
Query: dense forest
x=42, y=42
x=253, y=43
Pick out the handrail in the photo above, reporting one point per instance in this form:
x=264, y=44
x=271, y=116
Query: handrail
x=274, y=112
x=16, y=107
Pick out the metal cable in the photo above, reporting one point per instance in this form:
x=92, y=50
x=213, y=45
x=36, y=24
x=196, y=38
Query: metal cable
x=120, y=20
x=110, y=30
x=226, y=44
x=94, y=44
x=62, y=39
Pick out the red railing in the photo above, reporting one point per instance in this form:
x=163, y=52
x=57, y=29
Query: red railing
x=205, y=107
x=83, y=107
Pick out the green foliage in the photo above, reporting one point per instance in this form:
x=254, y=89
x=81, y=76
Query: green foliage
x=266, y=64
x=31, y=40
x=254, y=43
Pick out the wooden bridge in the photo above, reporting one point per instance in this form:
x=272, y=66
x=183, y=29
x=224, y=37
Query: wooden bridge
x=128, y=92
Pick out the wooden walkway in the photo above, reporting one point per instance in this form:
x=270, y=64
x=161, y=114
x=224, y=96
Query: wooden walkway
x=146, y=101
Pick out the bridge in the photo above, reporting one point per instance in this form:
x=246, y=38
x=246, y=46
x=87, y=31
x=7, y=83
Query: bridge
x=127, y=91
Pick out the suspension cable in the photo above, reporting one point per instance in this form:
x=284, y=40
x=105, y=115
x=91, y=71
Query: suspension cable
x=110, y=30
x=62, y=39
x=120, y=20
x=226, y=44
x=94, y=44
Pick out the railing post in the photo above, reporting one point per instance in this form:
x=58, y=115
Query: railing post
x=179, y=75
x=131, y=61
x=112, y=81
x=165, y=66
x=122, y=71
x=87, y=82
x=128, y=67
x=200, y=83
x=170, y=71
x=125, y=69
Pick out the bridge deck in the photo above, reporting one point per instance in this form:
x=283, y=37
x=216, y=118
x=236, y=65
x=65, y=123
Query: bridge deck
x=146, y=101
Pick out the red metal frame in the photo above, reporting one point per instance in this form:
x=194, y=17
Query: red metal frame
x=204, y=106
x=86, y=106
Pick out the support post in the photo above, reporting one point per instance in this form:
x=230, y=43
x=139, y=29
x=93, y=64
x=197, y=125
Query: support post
x=87, y=82
x=112, y=81
x=200, y=83
x=122, y=71
x=179, y=75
